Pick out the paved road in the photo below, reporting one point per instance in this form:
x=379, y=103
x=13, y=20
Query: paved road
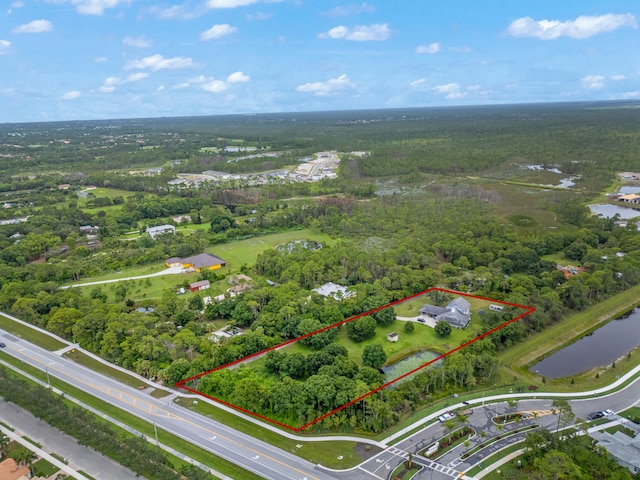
x=273, y=463
x=253, y=454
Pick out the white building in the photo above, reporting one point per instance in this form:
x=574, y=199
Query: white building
x=160, y=229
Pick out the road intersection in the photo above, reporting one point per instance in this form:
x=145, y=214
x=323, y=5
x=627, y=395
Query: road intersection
x=271, y=462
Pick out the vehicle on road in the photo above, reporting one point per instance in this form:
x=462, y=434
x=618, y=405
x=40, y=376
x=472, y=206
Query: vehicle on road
x=607, y=412
x=2, y=345
x=594, y=415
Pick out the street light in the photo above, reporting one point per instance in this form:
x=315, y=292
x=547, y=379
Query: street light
x=46, y=369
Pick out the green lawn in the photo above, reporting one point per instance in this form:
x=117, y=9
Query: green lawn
x=43, y=468
x=41, y=339
x=240, y=252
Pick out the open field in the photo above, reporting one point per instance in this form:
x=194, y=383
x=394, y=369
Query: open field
x=245, y=252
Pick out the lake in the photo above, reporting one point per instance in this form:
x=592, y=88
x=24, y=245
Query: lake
x=601, y=348
x=609, y=211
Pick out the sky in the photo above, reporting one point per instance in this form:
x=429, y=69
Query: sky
x=102, y=59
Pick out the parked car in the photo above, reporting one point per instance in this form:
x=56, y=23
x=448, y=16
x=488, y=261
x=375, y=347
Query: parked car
x=594, y=415
x=446, y=416
x=2, y=345
x=606, y=413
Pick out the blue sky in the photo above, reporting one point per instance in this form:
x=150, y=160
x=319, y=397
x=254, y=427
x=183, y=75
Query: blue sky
x=97, y=59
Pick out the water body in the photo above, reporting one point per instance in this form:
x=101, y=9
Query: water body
x=601, y=348
x=608, y=211
x=627, y=190
x=407, y=364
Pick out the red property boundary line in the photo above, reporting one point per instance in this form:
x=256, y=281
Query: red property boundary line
x=181, y=384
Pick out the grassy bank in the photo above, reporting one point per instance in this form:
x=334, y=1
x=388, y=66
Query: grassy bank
x=198, y=454
x=31, y=335
x=574, y=327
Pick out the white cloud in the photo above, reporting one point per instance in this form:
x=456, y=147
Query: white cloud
x=215, y=86
x=217, y=31
x=417, y=83
x=257, y=16
x=73, y=94
x=198, y=79
x=95, y=7
x=5, y=46
x=429, y=49
x=618, y=77
x=351, y=10
x=330, y=87
x=17, y=4
x=111, y=83
x=160, y=88
x=230, y=3
x=359, y=33
x=593, y=82
x=582, y=27
x=450, y=90
x=100, y=59
x=35, y=26
x=158, y=62
x=237, y=77
x=137, y=42
x=181, y=86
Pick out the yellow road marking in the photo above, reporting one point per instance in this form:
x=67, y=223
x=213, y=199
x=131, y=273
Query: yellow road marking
x=168, y=414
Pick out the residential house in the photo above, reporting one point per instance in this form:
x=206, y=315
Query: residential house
x=630, y=198
x=625, y=449
x=201, y=285
x=334, y=290
x=240, y=283
x=456, y=313
x=197, y=263
x=9, y=470
x=160, y=229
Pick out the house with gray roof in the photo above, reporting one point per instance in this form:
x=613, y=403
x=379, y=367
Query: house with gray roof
x=625, y=449
x=153, y=232
x=334, y=290
x=457, y=312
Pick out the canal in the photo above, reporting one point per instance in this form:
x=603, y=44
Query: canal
x=600, y=348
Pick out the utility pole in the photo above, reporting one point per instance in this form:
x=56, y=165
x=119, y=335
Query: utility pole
x=155, y=429
x=46, y=369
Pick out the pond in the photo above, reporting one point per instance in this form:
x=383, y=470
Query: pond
x=600, y=348
x=627, y=190
x=407, y=364
x=609, y=211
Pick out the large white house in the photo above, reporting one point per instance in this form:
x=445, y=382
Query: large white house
x=160, y=229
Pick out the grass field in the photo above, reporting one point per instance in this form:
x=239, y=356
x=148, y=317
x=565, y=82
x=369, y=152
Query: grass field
x=43, y=468
x=236, y=254
x=241, y=252
x=41, y=339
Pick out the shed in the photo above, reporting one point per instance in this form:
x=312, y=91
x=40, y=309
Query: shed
x=393, y=337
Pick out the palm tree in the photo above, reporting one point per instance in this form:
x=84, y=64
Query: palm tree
x=4, y=441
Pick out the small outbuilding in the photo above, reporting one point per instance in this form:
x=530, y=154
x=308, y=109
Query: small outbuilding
x=201, y=285
x=393, y=337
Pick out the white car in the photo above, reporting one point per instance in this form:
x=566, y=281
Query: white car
x=446, y=416
x=607, y=412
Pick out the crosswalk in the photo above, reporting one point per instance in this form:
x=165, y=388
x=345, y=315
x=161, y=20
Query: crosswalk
x=438, y=467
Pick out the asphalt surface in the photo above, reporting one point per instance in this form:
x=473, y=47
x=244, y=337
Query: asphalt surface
x=271, y=462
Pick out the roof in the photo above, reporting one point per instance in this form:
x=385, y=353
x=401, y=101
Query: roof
x=432, y=310
x=199, y=284
x=334, y=290
x=9, y=470
x=203, y=260
x=160, y=229
x=459, y=304
x=630, y=196
x=621, y=446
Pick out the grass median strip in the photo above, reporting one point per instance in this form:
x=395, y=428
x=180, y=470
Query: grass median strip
x=180, y=445
x=31, y=335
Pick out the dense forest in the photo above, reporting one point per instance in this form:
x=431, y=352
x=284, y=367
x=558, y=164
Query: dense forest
x=437, y=199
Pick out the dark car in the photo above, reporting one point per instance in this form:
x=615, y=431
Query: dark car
x=2, y=345
x=594, y=415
